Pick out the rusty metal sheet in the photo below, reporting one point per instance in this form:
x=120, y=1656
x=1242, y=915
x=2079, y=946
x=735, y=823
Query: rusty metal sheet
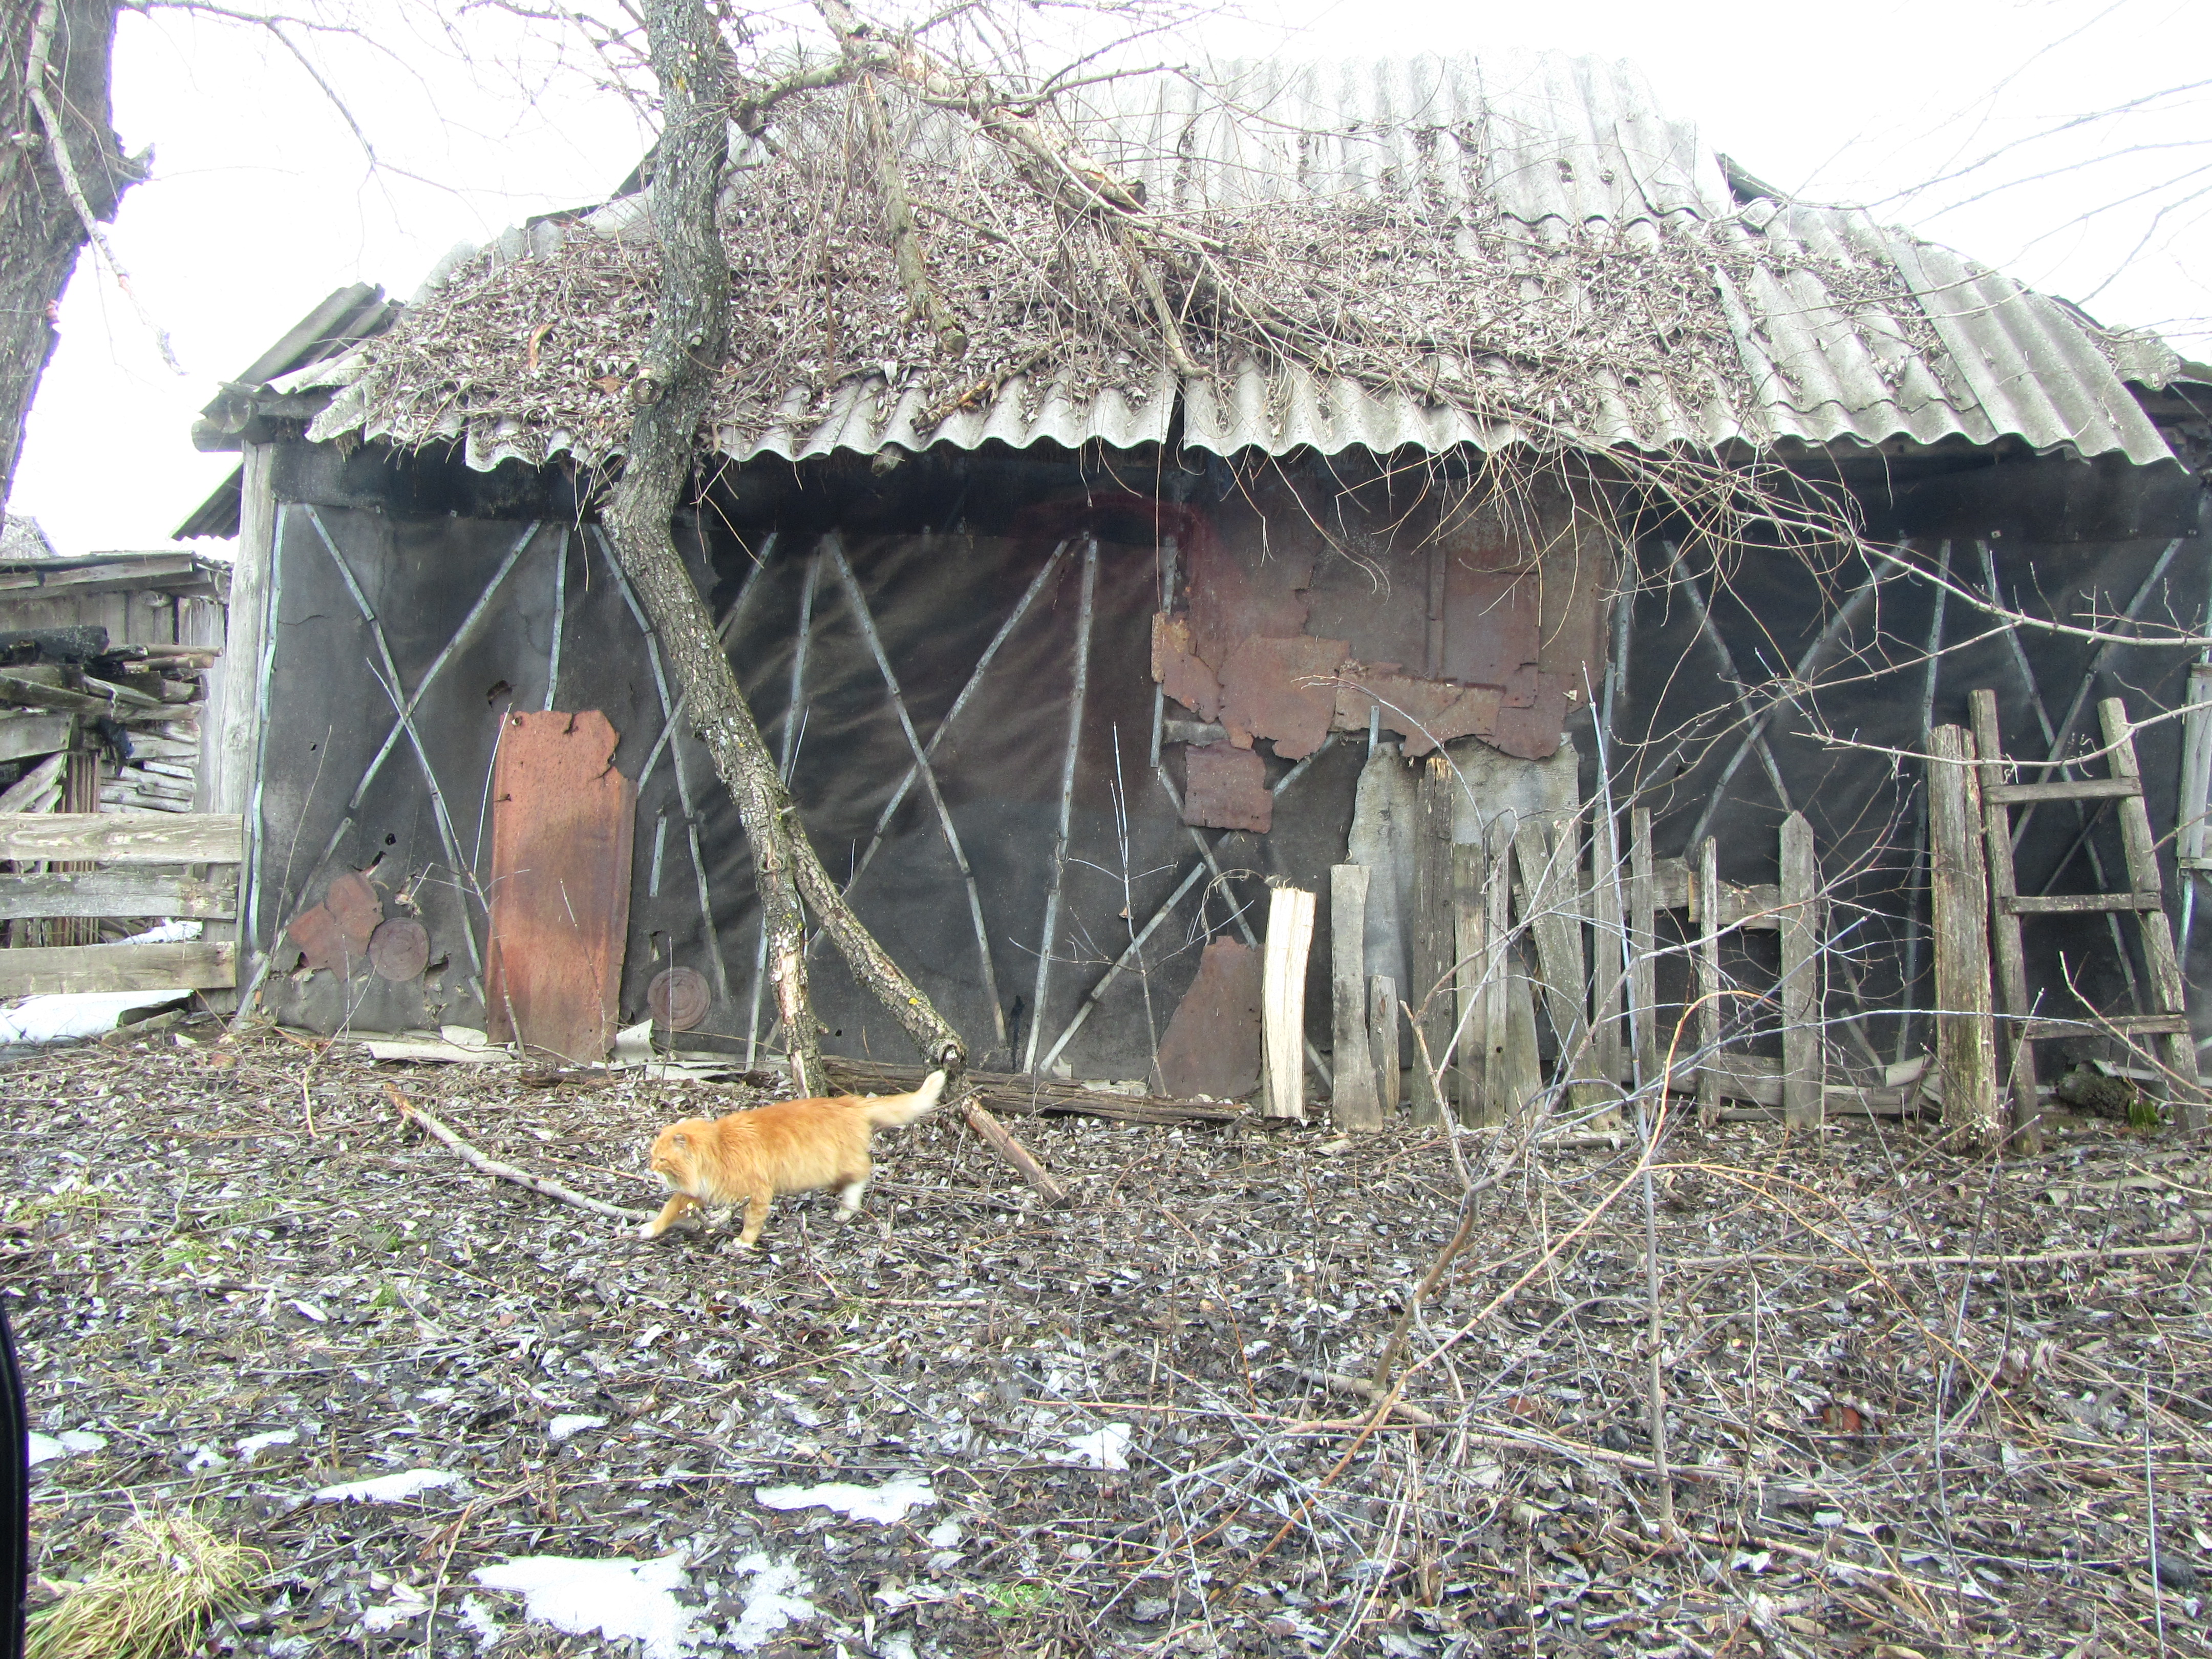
x=356, y=906
x=679, y=998
x=1282, y=690
x=320, y=941
x=1533, y=731
x=1212, y=1043
x=1225, y=787
x=1239, y=591
x=399, y=948
x=562, y=821
x=1492, y=629
x=1424, y=712
x=1178, y=671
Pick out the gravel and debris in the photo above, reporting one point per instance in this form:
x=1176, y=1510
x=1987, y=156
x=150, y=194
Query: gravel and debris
x=1917, y=1404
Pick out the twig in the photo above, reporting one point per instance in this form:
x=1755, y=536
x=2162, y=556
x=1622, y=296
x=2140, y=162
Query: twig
x=994, y=1134
x=493, y=1167
x=1366, y=1390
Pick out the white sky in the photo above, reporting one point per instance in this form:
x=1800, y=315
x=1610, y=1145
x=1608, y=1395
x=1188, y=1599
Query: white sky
x=261, y=201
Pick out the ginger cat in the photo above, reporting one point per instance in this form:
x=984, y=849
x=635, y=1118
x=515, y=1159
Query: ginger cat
x=792, y=1146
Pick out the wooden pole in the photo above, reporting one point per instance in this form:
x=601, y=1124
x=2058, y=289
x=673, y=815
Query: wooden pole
x=1470, y=890
x=1644, y=943
x=2157, y=932
x=1433, y=935
x=2004, y=931
x=1965, y=1043
x=1383, y=1018
x=1606, y=942
x=1353, y=1102
x=1801, y=1064
x=1709, y=980
x=1283, y=998
x=1504, y=1078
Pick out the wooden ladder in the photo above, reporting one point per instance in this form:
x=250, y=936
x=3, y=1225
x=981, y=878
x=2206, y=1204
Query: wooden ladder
x=2145, y=900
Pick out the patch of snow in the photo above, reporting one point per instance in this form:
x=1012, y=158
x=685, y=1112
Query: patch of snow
x=944, y=1534
x=204, y=1458
x=477, y=1619
x=77, y=1014
x=45, y=1448
x=570, y=1423
x=387, y=1488
x=168, y=933
x=773, y=1599
x=1109, y=1448
x=883, y=1504
x=617, y=1599
x=897, y=1645
x=254, y=1444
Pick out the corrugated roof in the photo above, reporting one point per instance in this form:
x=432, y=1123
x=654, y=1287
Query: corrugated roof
x=1560, y=152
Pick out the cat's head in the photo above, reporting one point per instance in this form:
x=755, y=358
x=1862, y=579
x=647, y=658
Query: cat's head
x=677, y=1151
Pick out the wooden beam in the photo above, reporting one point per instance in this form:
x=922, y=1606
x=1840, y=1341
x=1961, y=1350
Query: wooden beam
x=22, y=736
x=1608, y=942
x=1966, y=1041
x=1353, y=1104
x=123, y=837
x=1432, y=936
x=1551, y=903
x=182, y=965
x=1470, y=892
x=120, y=893
x=2004, y=927
x=1801, y=1040
x=1383, y=1018
x=1283, y=999
x=1643, y=942
x=2157, y=932
x=1708, y=980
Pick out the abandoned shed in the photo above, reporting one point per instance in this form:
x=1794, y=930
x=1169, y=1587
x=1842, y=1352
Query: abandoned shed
x=1555, y=525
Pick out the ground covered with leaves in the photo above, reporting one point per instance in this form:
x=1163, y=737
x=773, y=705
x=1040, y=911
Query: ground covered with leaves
x=1916, y=1403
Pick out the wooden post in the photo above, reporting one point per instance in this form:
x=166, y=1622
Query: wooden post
x=2004, y=931
x=1383, y=1018
x=1966, y=1048
x=1643, y=941
x=1283, y=999
x=1501, y=1085
x=1548, y=902
x=1708, y=907
x=1606, y=942
x=1470, y=886
x=1802, y=1068
x=1433, y=935
x=1353, y=1105
x=2157, y=932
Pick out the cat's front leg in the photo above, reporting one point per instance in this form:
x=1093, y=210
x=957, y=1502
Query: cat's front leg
x=671, y=1212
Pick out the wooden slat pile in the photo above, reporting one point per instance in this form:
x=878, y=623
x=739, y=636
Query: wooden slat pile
x=137, y=708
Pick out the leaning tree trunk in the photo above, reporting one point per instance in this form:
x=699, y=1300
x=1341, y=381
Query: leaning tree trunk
x=66, y=46
x=683, y=355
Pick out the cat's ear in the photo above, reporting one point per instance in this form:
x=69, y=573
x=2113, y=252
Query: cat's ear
x=678, y=1138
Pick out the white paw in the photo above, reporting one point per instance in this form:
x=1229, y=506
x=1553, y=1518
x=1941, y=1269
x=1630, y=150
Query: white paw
x=650, y=1229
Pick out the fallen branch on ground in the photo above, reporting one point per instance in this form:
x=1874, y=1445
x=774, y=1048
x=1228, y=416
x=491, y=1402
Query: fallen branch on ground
x=994, y=1133
x=1366, y=1390
x=493, y=1167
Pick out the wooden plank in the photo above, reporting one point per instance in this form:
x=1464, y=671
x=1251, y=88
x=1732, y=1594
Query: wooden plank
x=1643, y=942
x=2006, y=908
x=1470, y=890
x=1802, y=1039
x=123, y=837
x=181, y=965
x=1966, y=1043
x=1283, y=999
x=1502, y=1092
x=1607, y=945
x=1551, y=903
x=2126, y=1025
x=2191, y=835
x=17, y=687
x=120, y=893
x=34, y=792
x=1431, y=933
x=1708, y=980
x=2157, y=933
x=1353, y=1104
x=2019, y=794
x=1520, y=1077
x=22, y=736
x=1757, y=908
x=2071, y=904
x=1383, y=1018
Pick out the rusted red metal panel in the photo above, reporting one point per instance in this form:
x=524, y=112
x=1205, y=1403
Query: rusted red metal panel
x=1178, y=671
x=1240, y=590
x=561, y=827
x=1225, y=787
x=1212, y=1043
x=1491, y=627
x=1282, y=690
x=1423, y=712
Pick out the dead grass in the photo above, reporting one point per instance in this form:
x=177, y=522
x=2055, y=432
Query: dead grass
x=153, y=1597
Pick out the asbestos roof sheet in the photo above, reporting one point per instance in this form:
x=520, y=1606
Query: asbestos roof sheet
x=1557, y=151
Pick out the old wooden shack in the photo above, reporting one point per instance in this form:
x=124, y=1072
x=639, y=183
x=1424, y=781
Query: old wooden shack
x=1596, y=587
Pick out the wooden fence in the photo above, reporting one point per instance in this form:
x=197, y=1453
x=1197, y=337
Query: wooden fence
x=143, y=865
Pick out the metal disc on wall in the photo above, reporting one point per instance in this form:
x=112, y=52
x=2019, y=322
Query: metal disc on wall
x=679, y=998
x=399, y=948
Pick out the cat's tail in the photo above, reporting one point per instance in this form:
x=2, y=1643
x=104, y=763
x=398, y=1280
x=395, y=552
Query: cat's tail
x=897, y=1111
